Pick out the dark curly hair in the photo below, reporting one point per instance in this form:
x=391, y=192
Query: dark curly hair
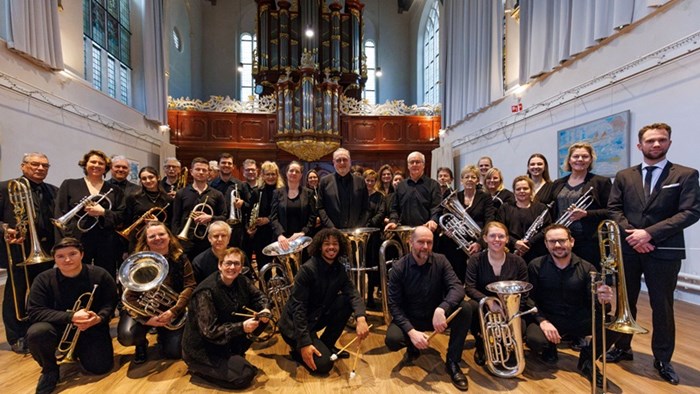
x=86, y=157
x=315, y=247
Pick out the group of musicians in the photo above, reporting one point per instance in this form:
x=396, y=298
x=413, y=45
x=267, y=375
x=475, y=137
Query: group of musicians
x=543, y=232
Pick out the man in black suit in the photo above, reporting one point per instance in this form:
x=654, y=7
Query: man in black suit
x=653, y=203
x=343, y=201
x=35, y=168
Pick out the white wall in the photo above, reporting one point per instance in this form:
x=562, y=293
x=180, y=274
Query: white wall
x=665, y=92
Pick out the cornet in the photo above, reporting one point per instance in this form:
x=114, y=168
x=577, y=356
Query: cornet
x=198, y=209
x=126, y=233
x=235, y=217
x=87, y=201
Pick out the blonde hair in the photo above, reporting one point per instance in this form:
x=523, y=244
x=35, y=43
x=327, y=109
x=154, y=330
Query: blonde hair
x=269, y=166
x=580, y=145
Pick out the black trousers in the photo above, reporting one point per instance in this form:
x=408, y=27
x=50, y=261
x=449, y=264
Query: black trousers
x=571, y=327
x=101, y=250
x=455, y=255
x=333, y=320
x=234, y=372
x=15, y=329
x=132, y=333
x=660, y=277
x=94, y=350
x=396, y=339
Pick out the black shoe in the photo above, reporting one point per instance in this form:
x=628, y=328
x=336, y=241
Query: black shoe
x=550, y=355
x=616, y=355
x=479, y=357
x=343, y=354
x=666, y=371
x=411, y=355
x=141, y=354
x=47, y=382
x=578, y=343
x=585, y=366
x=20, y=346
x=458, y=379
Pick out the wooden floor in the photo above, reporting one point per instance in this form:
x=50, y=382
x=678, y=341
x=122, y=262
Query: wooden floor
x=379, y=371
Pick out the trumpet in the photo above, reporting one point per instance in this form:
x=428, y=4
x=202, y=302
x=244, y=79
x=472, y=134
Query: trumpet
x=611, y=263
x=20, y=196
x=198, y=209
x=91, y=200
x=236, y=215
x=583, y=203
x=69, y=340
x=126, y=233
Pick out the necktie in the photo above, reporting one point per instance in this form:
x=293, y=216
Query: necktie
x=647, y=180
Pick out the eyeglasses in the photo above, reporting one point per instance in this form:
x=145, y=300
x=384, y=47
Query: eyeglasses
x=415, y=162
x=553, y=242
x=36, y=164
x=171, y=166
x=229, y=264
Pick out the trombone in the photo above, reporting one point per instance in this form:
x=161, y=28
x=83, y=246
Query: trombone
x=20, y=196
x=198, y=209
x=126, y=233
x=611, y=263
x=90, y=200
x=66, y=347
x=583, y=203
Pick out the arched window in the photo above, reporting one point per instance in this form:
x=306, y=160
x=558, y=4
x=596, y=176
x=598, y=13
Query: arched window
x=431, y=56
x=370, y=92
x=248, y=45
x=107, y=44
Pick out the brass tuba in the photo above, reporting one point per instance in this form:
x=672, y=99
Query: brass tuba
x=69, y=340
x=202, y=207
x=502, y=333
x=20, y=196
x=142, y=275
x=86, y=201
x=126, y=233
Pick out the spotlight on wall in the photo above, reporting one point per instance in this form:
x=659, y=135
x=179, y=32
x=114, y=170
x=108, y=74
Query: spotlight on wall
x=309, y=32
x=379, y=72
x=240, y=67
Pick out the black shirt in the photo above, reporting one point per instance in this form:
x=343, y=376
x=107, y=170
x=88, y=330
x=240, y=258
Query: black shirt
x=125, y=186
x=186, y=199
x=416, y=291
x=480, y=273
x=316, y=287
x=205, y=264
x=416, y=202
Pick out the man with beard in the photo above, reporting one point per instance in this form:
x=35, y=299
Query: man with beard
x=35, y=168
x=653, y=203
x=423, y=291
x=343, y=201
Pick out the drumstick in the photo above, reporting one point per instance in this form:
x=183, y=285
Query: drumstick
x=449, y=319
x=334, y=356
x=357, y=357
x=250, y=310
x=242, y=314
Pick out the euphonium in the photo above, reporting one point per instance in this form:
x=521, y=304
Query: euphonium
x=502, y=333
x=20, y=196
x=69, y=340
x=235, y=216
x=142, y=275
x=126, y=233
x=277, y=285
x=86, y=201
x=583, y=202
x=202, y=207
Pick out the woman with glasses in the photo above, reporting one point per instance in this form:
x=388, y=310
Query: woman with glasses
x=180, y=278
x=151, y=195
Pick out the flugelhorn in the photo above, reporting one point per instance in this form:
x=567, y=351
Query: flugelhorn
x=583, y=202
x=611, y=263
x=502, y=333
x=86, y=201
x=198, y=209
x=235, y=216
x=69, y=340
x=142, y=275
x=153, y=212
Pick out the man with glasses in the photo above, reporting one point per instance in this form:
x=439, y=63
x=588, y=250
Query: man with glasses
x=216, y=336
x=562, y=294
x=417, y=199
x=171, y=168
x=35, y=168
x=343, y=201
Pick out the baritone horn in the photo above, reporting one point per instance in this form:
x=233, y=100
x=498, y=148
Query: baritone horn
x=198, y=209
x=457, y=224
x=69, y=340
x=20, y=196
x=502, y=332
x=142, y=275
x=151, y=213
x=90, y=200
x=611, y=264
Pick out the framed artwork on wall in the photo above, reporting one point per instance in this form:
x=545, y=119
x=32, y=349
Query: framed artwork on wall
x=609, y=137
x=134, y=167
